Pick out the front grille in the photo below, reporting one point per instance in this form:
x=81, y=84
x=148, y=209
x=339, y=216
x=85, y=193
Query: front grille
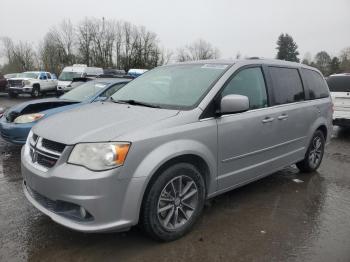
x=46, y=161
x=15, y=83
x=52, y=145
x=45, y=152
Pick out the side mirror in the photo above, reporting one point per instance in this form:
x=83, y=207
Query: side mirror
x=233, y=104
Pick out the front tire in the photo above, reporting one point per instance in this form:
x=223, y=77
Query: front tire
x=314, y=154
x=35, y=92
x=173, y=202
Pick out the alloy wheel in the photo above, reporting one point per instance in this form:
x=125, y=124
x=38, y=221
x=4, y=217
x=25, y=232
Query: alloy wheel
x=177, y=202
x=315, y=153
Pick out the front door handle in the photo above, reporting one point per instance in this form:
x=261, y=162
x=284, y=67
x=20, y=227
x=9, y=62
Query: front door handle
x=282, y=117
x=267, y=119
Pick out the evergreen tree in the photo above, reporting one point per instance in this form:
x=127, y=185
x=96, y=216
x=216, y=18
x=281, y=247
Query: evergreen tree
x=287, y=48
x=334, y=66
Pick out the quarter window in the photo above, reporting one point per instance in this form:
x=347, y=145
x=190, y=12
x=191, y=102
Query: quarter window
x=316, y=84
x=248, y=82
x=287, y=85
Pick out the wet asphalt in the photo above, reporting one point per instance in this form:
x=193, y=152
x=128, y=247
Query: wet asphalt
x=276, y=218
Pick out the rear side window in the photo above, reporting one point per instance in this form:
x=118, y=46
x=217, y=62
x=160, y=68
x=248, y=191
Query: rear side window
x=248, y=82
x=339, y=83
x=316, y=84
x=287, y=85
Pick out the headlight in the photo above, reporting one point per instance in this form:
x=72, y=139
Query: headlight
x=99, y=156
x=27, y=83
x=28, y=118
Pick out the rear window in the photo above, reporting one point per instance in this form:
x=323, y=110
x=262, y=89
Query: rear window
x=316, y=84
x=339, y=83
x=287, y=85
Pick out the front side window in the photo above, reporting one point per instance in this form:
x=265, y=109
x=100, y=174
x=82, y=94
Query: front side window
x=287, y=85
x=173, y=87
x=48, y=75
x=112, y=90
x=248, y=82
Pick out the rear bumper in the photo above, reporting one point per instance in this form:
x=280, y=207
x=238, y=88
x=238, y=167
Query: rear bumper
x=341, y=122
x=341, y=117
x=14, y=133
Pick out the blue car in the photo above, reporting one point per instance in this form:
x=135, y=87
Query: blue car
x=17, y=121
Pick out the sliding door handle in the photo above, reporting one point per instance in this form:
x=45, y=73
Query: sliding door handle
x=282, y=117
x=267, y=119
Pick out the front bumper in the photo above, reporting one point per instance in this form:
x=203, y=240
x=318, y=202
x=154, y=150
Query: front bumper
x=21, y=90
x=14, y=133
x=113, y=203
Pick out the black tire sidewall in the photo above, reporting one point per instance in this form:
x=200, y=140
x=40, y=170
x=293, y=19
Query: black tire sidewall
x=33, y=91
x=150, y=216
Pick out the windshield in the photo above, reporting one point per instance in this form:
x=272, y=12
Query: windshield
x=28, y=75
x=177, y=87
x=85, y=91
x=339, y=83
x=68, y=76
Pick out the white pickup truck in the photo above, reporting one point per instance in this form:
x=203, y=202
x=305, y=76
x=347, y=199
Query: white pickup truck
x=33, y=83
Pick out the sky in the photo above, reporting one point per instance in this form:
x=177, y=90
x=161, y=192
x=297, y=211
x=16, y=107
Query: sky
x=250, y=27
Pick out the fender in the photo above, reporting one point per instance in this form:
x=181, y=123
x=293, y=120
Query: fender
x=165, y=152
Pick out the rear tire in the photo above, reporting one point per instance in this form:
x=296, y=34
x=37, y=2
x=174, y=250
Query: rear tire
x=173, y=203
x=314, y=154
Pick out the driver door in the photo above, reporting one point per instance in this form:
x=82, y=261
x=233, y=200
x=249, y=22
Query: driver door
x=246, y=140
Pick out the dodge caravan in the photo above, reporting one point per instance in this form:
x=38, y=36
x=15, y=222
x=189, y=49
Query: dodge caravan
x=172, y=138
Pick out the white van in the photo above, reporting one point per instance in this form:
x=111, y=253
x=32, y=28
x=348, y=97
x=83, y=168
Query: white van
x=77, y=70
x=339, y=85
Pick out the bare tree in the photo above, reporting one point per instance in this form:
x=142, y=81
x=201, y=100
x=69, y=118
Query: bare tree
x=198, y=50
x=64, y=36
x=20, y=57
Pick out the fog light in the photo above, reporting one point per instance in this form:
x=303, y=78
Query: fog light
x=82, y=212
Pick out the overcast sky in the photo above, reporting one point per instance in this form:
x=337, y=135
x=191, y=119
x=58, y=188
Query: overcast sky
x=250, y=27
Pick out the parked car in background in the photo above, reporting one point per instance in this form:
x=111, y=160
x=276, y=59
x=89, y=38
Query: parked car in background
x=77, y=81
x=115, y=72
x=136, y=72
x=339, y=85
x=75, y=71
x=3, y=83
x=18, y=120
x=171, y=139
x=34, y=83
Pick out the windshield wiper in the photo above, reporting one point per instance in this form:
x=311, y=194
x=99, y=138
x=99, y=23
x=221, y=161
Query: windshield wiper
x=134, y=102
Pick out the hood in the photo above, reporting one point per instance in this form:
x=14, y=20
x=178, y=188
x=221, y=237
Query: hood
x=36, y=106
x=21, y=78
x=99, y=122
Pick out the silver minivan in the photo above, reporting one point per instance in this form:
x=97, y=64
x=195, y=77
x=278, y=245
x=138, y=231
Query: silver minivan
x=172, y=138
